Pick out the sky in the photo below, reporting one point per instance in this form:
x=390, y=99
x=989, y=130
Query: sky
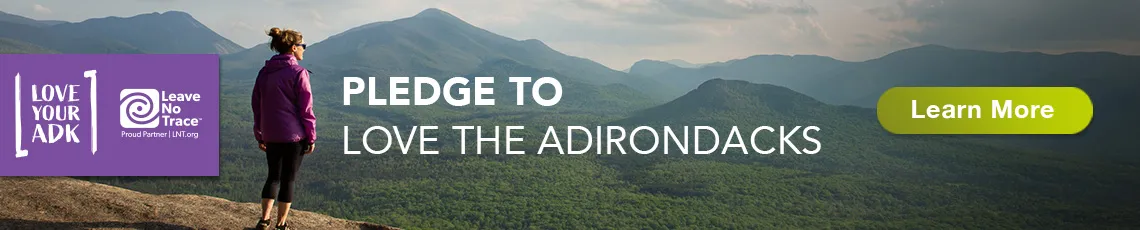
x=618, y=33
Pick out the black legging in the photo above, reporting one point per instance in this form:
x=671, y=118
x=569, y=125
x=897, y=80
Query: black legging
x=284, y=163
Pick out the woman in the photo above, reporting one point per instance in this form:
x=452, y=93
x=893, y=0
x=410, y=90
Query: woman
x=283, y=121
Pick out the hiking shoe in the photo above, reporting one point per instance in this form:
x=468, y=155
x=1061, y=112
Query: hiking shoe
x=262, y=225
x=282, y=227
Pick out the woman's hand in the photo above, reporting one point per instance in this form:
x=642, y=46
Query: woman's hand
x=310, y=148
x=261, y=146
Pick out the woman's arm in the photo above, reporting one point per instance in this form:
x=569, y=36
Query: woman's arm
x=255, y=103
x=305, y=108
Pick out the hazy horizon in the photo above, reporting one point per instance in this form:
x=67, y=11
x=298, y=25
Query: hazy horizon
x=619, y=33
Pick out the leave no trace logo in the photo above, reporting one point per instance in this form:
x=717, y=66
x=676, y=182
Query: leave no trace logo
x=139, y=108
x=153, y=108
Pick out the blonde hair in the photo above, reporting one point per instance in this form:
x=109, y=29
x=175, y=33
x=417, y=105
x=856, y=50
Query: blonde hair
x=283, y=40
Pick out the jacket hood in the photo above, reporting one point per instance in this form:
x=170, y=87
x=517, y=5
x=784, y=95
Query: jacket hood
x=280, y=61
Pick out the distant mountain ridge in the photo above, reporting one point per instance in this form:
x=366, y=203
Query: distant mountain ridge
x=436, y=43
x=62, y=42
x=797, y=72
x=650, y=67
x=12, y=18
x=169, y=32
x=738, y=102
x=683, y=63
x=577, y=93
x=1108, y=78
x=860, y=83
x=436, y=39
x=251, y=57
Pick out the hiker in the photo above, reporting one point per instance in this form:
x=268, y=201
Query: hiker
x=283, y=121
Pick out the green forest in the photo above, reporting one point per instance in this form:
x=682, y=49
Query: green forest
x=864, y=177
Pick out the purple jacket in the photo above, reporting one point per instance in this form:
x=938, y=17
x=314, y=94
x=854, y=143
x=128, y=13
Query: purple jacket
x=283, y=103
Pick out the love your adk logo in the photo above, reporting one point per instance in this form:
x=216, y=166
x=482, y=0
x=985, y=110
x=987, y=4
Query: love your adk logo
x=65, y=108
x=55, y=113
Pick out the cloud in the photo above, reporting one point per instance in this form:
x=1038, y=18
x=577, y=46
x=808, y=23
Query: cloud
x=317, y=19
x=600, y=32
x=886, y=13
x=41, y=9
x=887, y=41
x=662, y=23
x=502, y=20
x=1017, y=24
x=684, y=11
x=720, y=30
x=316, y=15
x=242, y=26
x=807, y=30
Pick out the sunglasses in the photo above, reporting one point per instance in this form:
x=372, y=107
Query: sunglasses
x=303, y=46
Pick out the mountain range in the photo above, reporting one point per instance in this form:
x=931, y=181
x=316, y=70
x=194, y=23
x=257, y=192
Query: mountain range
x=1108, y=78
x=683, y=63
x=668, y=64
x=1107, y=75
x=169, y=32
x=17, y=19
x=863, y=178
x=437, y=40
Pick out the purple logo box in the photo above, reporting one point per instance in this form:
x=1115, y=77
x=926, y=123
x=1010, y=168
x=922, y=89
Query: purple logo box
x=109, y=115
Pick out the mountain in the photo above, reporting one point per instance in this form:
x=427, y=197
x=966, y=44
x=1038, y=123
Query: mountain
x=432, y=39
x=683, y=63
x=860, y=83
x=436, y=43
x=52, y=22
x=766, y=102
x=646, y=67
x=1106, y=76
x=437, y=40
x=253, y=57
x=725, y=103
x=578, y=94
x=1109, y=79
x=169, y=32
x=650, y=67
x=63, y=42
x=64, y=203
x=17, y=19
x=798, y=72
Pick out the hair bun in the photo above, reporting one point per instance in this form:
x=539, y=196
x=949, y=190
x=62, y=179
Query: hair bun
x=283, y=40
x=275, y=32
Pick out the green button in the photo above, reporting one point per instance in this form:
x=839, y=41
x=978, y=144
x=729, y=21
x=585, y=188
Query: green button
x=985, y=110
